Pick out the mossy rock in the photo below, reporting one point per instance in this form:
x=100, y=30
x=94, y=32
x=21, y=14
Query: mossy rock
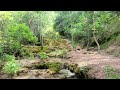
x=53, y=66
x=58, y=53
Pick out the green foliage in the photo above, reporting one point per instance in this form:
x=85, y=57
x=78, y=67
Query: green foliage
x=45, y=49
x=25, y=53
x=15, y=36
x=80, y=25
x=43, y=55
x=21, y=33
x=44, y=28
x=74, y=45
x=7, y=57
x=11, y=67
x=54, y=66
x=1, y=51
x=112, y=73
x=58, y=53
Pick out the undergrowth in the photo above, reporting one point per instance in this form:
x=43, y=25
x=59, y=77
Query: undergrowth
x=112, y=73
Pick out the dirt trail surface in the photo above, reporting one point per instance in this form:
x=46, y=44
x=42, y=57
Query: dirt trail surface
x=84, y=58
x=95, y=60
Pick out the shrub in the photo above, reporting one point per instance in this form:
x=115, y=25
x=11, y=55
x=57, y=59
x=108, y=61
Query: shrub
x=54, y=66
x=7, y=57
x=24, y=52
x=43, y=55
x=11, y=67
x=45, y=49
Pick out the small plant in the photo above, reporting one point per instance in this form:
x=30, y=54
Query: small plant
x=54, y=66
x=7, y=57
x=43, y=55
x=11, y=67
x=45, y=49
x=112, y=73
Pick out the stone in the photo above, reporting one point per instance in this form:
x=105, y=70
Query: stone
x=5, y=76
x=67, y=73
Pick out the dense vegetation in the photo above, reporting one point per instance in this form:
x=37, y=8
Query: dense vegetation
x=26, y=34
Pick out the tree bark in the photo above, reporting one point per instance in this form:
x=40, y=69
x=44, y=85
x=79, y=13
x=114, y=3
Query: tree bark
x=96, y=41
x=94, y=36
x=88, y=41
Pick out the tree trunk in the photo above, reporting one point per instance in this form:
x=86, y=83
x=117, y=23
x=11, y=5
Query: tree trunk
x=96, y=41
x=88, y=41
x=94, y=36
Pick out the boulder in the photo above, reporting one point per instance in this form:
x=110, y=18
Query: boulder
x=67, y=73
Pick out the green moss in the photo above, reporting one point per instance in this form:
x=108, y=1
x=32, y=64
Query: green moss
x=54, y=66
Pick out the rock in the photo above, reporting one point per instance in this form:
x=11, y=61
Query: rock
x=67, y=73
x=5, y=76
x=61, y=76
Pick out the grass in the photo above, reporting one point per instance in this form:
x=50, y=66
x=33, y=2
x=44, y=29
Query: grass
x=112, y=73
x=58, y=53
x=43, y=55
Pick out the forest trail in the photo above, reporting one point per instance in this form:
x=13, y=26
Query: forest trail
x=84, y=58
x=98, y=61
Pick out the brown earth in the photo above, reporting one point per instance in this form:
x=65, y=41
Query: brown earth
x=95, y=60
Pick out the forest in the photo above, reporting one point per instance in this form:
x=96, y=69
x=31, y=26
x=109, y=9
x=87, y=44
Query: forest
x=59, y=45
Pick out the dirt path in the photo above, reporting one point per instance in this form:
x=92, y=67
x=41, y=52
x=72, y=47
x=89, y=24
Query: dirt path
x=84, y=57
x=96, y=60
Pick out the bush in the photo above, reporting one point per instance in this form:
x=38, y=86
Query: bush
x=45, y=49
x=54, y=66
x=24, y=52
x=7, y=57
x=11, y=67
x=1, y=51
